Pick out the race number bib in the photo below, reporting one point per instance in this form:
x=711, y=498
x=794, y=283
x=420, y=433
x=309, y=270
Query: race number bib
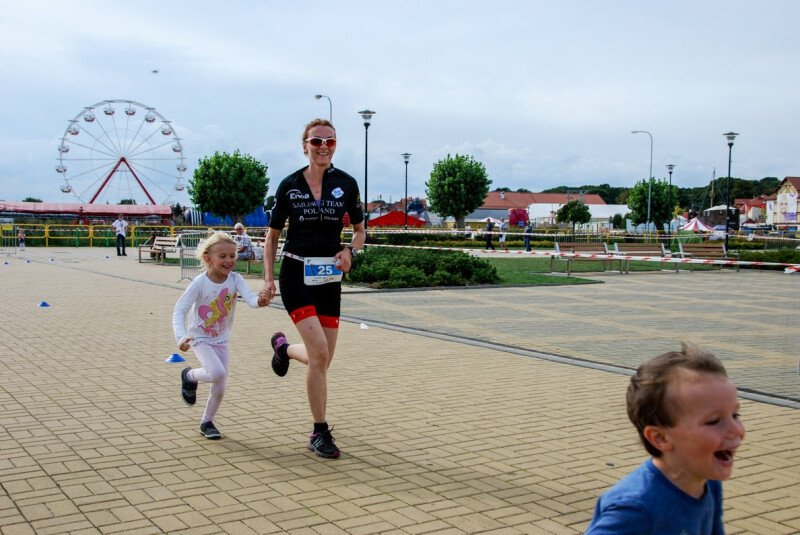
x=320, y=270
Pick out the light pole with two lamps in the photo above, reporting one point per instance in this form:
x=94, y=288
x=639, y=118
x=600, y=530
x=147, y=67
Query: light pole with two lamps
x=670, y=168
x=406, y=156
x=367, y=116
x=730, y=136
x=650, y=176
x=330, y=105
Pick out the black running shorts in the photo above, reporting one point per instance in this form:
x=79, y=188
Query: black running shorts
x=301, y=301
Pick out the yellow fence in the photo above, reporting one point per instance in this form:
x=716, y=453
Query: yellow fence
x=61, y=235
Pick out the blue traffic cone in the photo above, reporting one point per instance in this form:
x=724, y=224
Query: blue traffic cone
x=175, y=358
x=43, y=304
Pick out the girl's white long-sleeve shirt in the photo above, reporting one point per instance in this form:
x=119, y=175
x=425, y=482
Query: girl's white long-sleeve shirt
x=209, y=308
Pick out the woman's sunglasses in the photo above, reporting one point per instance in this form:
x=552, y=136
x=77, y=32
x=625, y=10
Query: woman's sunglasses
x=318, y=141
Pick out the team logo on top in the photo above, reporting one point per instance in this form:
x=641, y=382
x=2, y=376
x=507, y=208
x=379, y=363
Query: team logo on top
x=337, y=192
x=297, y=194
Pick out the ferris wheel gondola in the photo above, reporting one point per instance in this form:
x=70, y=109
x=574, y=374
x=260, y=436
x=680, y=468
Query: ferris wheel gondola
x=133, y=156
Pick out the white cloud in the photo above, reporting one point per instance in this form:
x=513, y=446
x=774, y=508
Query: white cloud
x=542, y=93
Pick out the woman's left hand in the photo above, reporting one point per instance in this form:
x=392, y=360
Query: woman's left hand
x=344, y=260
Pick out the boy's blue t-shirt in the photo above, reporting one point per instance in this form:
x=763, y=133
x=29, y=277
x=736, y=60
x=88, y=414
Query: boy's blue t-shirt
x=646, y=502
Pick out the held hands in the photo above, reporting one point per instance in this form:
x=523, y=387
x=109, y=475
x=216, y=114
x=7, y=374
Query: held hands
x=267, y=293
x=185, y=343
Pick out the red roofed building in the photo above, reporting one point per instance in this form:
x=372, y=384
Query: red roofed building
x=498, y=203
x=85, y=211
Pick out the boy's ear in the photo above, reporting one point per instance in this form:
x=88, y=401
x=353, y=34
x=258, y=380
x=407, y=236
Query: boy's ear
x=658, y=437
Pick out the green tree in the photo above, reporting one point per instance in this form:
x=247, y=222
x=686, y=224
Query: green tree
x=229, y=184
x=574, y=212
x=127, y=201
x=31, y=199
x=458, y=185
x=618, y=221
x=662, y=204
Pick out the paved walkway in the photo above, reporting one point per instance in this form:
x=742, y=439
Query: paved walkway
x=461, y=411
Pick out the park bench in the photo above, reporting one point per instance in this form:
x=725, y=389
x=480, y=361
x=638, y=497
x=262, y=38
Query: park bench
x=258, y=253
x=653, y=250
x=158, y=248
x=582, y=248
x=707, y=251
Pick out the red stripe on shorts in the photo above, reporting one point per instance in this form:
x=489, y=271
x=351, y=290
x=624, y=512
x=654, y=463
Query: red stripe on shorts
x=331, y=322
x=302, y=313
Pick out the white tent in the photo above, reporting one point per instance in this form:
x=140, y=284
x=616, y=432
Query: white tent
x=492, y=219
x=695, y=225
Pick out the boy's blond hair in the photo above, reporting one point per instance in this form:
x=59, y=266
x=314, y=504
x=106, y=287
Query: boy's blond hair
x=204, y=247
x=647, y=401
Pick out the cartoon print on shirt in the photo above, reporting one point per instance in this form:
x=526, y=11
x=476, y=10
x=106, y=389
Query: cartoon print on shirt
x=215, y=314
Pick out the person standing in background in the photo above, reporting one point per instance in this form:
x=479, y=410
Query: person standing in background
x=120, y=226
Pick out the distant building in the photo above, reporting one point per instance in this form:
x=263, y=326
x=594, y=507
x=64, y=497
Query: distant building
x=786, y=203
x=498, y=203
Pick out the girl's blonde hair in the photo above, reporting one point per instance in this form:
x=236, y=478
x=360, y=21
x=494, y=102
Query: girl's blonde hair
x=204, y=247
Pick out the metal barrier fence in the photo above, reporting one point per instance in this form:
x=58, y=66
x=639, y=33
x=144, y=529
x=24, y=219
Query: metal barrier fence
x=191, y=266
x=8, y=240
x=102, y=235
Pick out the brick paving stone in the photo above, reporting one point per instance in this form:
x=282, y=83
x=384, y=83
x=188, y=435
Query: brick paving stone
x=439, y=435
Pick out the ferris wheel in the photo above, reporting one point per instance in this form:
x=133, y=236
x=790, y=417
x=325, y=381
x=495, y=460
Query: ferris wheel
x=120, y=150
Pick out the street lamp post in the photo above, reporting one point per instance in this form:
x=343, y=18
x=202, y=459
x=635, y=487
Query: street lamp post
x=650, y=176
x=670, y=168
x=406, y=156
x=367, y=116
x=330, y=105
x=730, y=136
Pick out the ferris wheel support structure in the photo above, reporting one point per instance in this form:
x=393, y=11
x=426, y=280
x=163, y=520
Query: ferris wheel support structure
x=120, y=162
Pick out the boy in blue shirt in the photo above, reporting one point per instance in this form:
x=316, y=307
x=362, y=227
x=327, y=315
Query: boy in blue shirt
x=686, y=411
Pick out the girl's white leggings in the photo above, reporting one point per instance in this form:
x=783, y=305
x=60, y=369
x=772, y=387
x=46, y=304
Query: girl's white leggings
x=214, y=359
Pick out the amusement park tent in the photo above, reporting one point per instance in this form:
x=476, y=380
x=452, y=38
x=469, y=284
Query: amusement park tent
x=695, y=225
x=85, y=210
x=395, y=218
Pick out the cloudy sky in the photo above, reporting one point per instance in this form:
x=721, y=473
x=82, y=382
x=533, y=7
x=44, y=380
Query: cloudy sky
x=544, y=93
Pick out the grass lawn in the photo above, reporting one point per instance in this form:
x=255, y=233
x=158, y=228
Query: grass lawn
x=532, y=271
x=516, y=271
x=512, y=271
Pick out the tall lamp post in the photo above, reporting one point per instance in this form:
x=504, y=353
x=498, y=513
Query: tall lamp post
x=670, y=169
x=330, y=105
x=406, y=156
x=650, y=176
x=367, y=116
x=730, y=136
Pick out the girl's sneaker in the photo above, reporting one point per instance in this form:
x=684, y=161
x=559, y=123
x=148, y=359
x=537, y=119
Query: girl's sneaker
x=280, y=359
x=208, y=430
x=188, y=388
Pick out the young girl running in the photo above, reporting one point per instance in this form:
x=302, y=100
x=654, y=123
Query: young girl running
x=209, y=302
